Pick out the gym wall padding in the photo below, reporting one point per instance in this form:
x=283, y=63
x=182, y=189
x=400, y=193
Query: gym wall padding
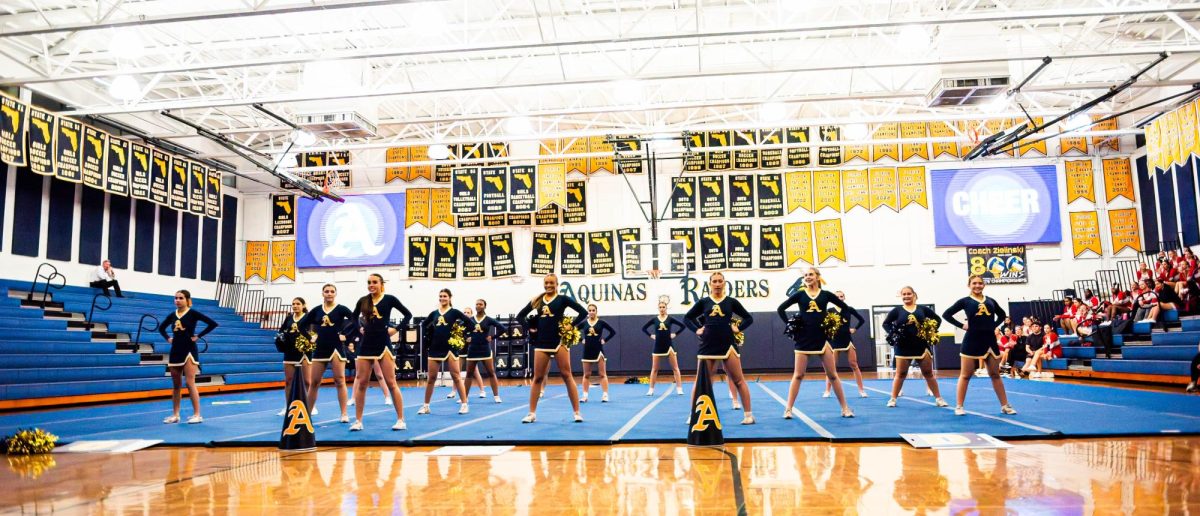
x=229, y=212
x=168, y=240
x=91, y=226
x=208, y=250
x=1149, y=207
x=1168, y=223
x=118, y=231
x=3, y=199
x=143, y=231
x=60, y=222
x=27, y=213
x=188, y=246
x=1185, y=185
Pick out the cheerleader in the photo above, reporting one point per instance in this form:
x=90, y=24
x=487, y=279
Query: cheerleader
x=333, y=324
x=481, y=328
x=811, y=340
x=842, y=344
x=462, y=364
x=662, y=329
x=548, y=310
x=712, y=319
x=377, y=373
x=438, y=326
x=595, y=334
x=983, y=314
x=375, y=311
x=906, y=322
x=184, y=359
x=293, y=359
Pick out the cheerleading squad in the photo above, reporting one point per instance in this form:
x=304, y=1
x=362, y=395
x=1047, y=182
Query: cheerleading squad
x=329, y=335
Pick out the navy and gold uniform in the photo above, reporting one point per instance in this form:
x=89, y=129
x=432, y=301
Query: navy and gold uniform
x=547, y=316
x=842, y=340
x=286, y=342
x=328, y=326
x=982, y=318
x=662, y=329
x=909, y=346
x=183, y=328
x=812, y=340
x=375, y=324
x=438, y=326
x=716, y=317
x=594, y=337
x=478, y=331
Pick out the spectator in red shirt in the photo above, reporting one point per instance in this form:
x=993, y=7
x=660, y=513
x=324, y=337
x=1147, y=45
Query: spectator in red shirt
x=1049, y=349
x=1144, y=272
x=1147, y=303
x=1120, y=302
x=1083, y=318
x=1067, y=318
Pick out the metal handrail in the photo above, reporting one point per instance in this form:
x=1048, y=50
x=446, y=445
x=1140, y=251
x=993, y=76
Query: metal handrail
x=142, y=326
x=92, y=311
x=54, y=274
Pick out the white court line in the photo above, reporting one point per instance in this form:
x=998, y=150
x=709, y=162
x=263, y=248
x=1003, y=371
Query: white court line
x=973, y=413
x=338, y=419
x=477, y=420
x=799, y=414
x=1185, y=416
x=638, y=417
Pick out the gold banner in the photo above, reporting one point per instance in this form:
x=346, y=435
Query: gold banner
x=1118, y=179
x=550, y=148
x=1080, y=184
x=440, y=207
x=283, y=259
x=798, y=242
x=853, y=152
x=885, y=150
x=973, y=131
x=1085, y=232
x=855, y=189
x=577, y=145
x=1184, y=121
x=416, y=209
x=1038, y=147
x=944, y=148
x=258, y=255
x=1068, y=144
x=829, y=240
x=1171, y=139
x=912, y=187
x=827, y=190
x=884, y=188
x=1153, y=155
x=998, y=125
x=552, y=185
x=600, y=164
x=1123, y=227
x=799, y=190
x=415, y=172
x=396, y=155
x=1114, y=143
x=1188, y=126
x=913, y=131
x=14, y=123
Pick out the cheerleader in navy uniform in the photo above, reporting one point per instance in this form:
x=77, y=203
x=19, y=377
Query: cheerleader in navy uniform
x=906, y=322
x=811, y=340
x=285, y=342
x=842, y=344
x=334, y=324
x=712, y=319
x=979, y=343
x=184, y=359
x=549, y=309
x=438, y=325
x=481, y=328
x=662, y=329
x=595, y=334
x=374, y=310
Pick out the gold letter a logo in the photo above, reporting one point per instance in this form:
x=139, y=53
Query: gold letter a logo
x=705, y=413
x=297, y=418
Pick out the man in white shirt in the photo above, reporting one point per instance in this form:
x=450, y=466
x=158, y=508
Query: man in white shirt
x=105, y=277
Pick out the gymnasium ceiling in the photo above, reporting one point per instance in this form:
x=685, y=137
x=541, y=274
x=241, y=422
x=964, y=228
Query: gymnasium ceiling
x=497, y=70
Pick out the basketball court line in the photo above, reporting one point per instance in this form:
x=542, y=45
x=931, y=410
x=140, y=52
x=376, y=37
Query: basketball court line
x=799, y=414
x=470, y=422
x=328, y=421
x=1185, y=416
x=638, y=417
x=973, y=413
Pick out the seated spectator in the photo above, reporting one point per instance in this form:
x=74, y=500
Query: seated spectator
x=1146, y=302
x=1083, y=318
x=1195, y=369
x=1066, y=320
x=1162, y=269
x=1144, y=272
x=1006, y=342
x=1049, y=348
x=1092, y=300
x=1180, y=278
x=103, y=277
x=1120, y=303
x=1167, y=299
x=1190, y=258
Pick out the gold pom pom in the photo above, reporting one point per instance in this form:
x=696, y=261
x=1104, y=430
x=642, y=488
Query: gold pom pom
x=739, y=338
x=831, y=324
x=30, y=442
x=568, y=334
x=457, y=342
x=928, y=331
x=305, y=344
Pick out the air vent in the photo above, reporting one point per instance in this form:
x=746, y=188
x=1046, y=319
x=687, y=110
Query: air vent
x=340, y=124
x=966, y=91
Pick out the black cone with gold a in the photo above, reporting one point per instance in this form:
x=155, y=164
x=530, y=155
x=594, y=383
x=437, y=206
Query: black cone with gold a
x=298, y=432
x=704, y=425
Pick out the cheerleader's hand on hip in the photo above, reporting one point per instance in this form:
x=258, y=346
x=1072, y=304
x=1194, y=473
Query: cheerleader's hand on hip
x=672, y=336
x=736, y=331
x=964, y=326
x=341, y=337
x=195, y=338
x=852, y=331
x=700, y=332
x=392, y=331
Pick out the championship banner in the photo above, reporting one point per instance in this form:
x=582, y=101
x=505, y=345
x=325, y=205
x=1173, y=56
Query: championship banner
x=1123, y=227
x=798, y=243
x=139, y=171
x=770, y=158
x=40, y=136
x=496, y=150
x=912, y=187
x=1187, y=130
x=465, y=191
x=493, y=190
x=1183, y=142
x=913, y=131
x=770, y=247
x=545, y=254
x=628, y=165
x=855, y=189
x=418, y=256
x=522, y=189
x=179, y=184
x=600, y=164
x=718, y=160
x=741, y=195
x=694, y=161
x=890, y=131
x=970, y=130
x=1153, y=154
x=1068, y=144
x=116, y=166
x=999, y=125
x=14, y=125
x=712, y=248
x=415, y=155
x=745, y=159
x=445, y=257
x=770, y=195
x=520, y=219
x=1038, y=147
x=943, y=148
x=467, y=221
x=1191, y=143
x=160, y=179
x=829, y=240
x=857, y=152
x=1170, y=139
x=1085, y=232
x=1118, y=179
x=283, y=215
x=633, y=260
x=550, y=148
x=95, y=141
x=258, y=255
x=573, y=146
x=827, y=190
x=396, y=155
x=1080, y=184
x=573, y=255
x=738, y=246
x=683, y=198
x=601, y=253
x=884, y=188
x=798, y=156
x=830, y=155
x=497, y=220
x=212, y=194
x=68, y=152
x=552, y=185
x=799, y=190
x=549, y=216
x=688, y=237
x=474, y=257
x=197, y=176
x=338, y=178
x=439, y=207
x=576, y=209
x=283, y=259
x=442, y=173
x=712, y=197
x=501, y=254
x=998, y=264
x=416, y=206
